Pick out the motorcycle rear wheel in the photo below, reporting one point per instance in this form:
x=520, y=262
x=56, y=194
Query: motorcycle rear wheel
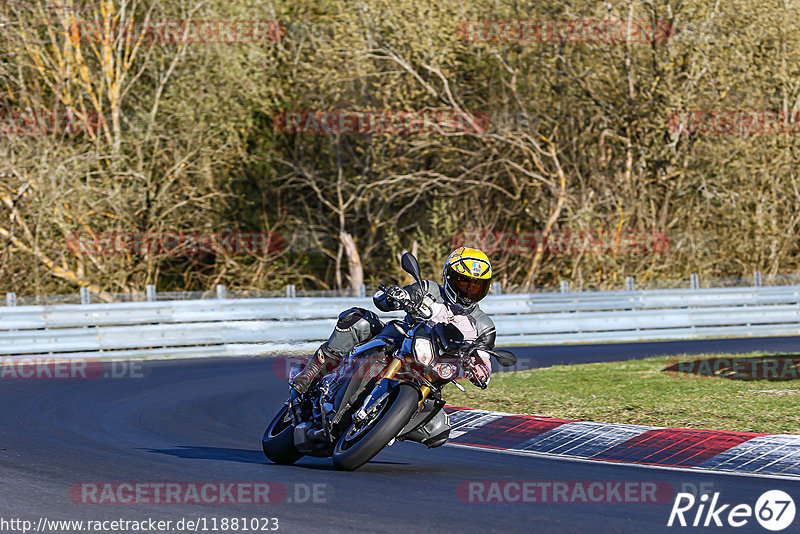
x=360, y=443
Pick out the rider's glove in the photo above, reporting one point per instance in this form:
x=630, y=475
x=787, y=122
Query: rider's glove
x=478, y=381
x=476, y=370
x=397, y=294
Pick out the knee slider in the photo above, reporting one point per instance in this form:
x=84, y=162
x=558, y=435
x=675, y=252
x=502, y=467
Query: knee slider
x=350, y=317
x=365, y=321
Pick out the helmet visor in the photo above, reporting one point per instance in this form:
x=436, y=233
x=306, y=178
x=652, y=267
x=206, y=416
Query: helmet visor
x=466, y=287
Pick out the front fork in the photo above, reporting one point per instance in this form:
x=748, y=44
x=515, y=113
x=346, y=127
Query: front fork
x=389, y=374
x=425, y=390
x=392, y=370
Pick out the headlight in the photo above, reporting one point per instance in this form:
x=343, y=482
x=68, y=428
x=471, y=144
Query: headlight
x=423, y=351
x=446, y=370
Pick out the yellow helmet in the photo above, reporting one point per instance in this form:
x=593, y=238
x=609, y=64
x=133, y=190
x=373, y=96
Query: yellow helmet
x=467, y=276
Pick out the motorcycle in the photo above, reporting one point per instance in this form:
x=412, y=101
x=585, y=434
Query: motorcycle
x=383, y=391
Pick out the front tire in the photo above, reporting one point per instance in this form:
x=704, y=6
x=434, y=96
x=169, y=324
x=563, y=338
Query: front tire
x=358, y=446
x=278, y=440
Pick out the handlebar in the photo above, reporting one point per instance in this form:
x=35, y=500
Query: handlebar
x=464, y=352
x=406, y=306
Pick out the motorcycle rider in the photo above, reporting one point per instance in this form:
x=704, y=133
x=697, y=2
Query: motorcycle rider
x=466, y=278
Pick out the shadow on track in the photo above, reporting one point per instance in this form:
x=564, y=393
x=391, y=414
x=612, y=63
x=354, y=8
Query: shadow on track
x=214, y=453
x=240, y=455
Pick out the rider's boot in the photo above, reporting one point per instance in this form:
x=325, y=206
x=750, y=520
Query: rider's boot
x=354, y=326
x=322, y=360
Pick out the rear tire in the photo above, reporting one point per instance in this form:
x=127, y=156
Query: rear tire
x=278, y=440
x=354, y=449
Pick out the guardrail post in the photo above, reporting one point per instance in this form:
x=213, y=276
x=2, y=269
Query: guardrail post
x=11, y=299
x=757, y=278
x=290, y=291
x=221, y=292
x=85, y=296
x=629, y=283
x=361, y=291
x=497, y=288
x=695, y=281
x=150, y=290
x=565, y=286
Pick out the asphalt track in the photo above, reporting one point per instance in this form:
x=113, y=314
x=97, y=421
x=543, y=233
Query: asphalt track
x=202, y=420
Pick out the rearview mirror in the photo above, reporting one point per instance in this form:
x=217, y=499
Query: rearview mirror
x=411, y=266
x=505, y=358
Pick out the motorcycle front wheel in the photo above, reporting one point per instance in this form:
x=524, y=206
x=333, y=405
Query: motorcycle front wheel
x=278, y=440
x=362, y=441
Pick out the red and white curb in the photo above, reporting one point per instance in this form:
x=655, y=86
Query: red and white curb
x=744, y=452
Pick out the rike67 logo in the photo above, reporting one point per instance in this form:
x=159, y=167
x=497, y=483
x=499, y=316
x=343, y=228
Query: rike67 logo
x=774, y=510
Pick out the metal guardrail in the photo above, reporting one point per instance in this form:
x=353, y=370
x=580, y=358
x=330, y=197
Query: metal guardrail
x=256, y=326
